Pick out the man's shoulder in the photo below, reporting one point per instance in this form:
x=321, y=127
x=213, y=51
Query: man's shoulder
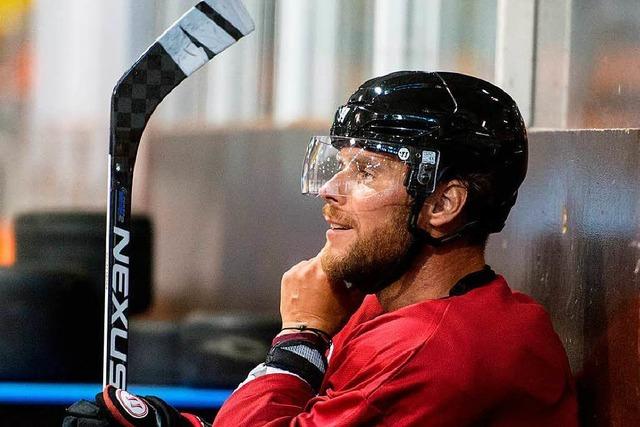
x=492, y=307
x=495, y=307
x=490, y=328
x=495, y=335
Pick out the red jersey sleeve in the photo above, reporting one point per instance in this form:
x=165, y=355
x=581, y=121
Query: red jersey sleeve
x=286, y=400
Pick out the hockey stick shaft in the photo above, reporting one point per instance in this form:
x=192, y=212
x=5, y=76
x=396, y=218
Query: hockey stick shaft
x=201, y=33
x=116, y=325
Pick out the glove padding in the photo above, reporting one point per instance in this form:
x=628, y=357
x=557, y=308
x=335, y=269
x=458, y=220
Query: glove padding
x=116, y=407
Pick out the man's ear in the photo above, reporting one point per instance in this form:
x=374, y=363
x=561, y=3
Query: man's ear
x=444, y=206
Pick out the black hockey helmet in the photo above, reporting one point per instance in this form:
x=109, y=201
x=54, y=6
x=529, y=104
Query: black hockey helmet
x=443, y=125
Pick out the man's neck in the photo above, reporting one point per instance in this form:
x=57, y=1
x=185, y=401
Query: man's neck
x=432, y=274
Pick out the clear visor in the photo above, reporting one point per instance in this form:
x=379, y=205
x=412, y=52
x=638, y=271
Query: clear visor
x=342, y=166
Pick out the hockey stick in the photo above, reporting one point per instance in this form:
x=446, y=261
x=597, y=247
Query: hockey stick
x=201, y=33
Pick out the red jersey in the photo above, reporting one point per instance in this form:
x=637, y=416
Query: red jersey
x=489, y=357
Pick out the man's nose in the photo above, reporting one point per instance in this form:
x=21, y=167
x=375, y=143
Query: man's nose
x=332, y=191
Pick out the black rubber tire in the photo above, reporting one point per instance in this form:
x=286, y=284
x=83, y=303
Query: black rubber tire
x=75, y=241
x=219, y=351
x=50, y=326
x=153, y=352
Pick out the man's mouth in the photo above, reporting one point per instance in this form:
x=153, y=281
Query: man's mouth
x=335, y=226
x=338, y=230
x=336, y=222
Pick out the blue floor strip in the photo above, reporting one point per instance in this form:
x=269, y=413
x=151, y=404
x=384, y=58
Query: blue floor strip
x=13, y=393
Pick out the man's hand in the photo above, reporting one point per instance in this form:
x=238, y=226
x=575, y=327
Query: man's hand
x=308, y=298
x=115, y=407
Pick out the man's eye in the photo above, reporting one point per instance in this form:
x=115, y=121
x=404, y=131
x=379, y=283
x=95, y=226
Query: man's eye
x=365, y=172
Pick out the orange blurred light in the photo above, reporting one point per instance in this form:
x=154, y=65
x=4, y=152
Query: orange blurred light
x=7, y=244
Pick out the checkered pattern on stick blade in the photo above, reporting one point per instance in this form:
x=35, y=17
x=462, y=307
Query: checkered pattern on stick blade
x=138, y=94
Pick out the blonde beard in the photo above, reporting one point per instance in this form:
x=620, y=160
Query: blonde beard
x=370, y=258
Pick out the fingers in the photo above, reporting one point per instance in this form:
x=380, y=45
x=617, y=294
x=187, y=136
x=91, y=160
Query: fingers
x=85, y=414
x=307, y=271
x=308, y=298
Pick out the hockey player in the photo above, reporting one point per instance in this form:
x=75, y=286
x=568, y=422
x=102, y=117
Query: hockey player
x=398, y=320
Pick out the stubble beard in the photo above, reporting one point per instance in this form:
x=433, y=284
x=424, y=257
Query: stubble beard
x=373, y=257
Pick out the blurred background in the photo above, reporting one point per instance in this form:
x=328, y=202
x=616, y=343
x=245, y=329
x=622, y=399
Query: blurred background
x=216, y=189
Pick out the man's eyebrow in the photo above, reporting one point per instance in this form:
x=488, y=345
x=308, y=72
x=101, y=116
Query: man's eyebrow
x=369, y=163
x=362, y=158
x=376, y=160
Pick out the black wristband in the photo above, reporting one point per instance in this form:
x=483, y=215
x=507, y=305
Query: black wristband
x=301, y=358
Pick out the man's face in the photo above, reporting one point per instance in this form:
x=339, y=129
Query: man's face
x=367, y=208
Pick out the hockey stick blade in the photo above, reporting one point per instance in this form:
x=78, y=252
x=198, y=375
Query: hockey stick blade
x=204, y=31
